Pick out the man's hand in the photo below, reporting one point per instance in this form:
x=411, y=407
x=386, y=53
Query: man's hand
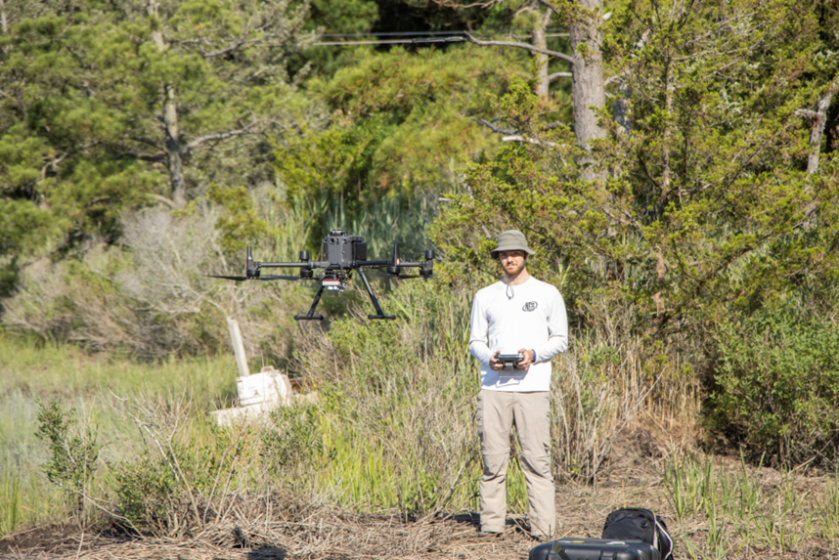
x=528, y=359
x=494, y=364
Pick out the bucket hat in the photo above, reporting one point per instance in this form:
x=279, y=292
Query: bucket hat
x=511, y=240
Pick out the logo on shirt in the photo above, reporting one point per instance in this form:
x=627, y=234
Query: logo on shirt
x=529, y=306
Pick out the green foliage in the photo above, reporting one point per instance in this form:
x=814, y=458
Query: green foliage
x=401, y=121
x=162, y=494
x=74, y=452
x=700, y=206
x=531, y=187
x=146, y=493
x=775, y=388
x=81, y=139
x=297, y=440
x=240, y=225
x=699, y=212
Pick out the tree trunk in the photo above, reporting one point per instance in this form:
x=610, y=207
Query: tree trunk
x=819, y=120
x=4, y=24
x=540, y=41
x=174, y=158
x=667, y=170
x=173, y=149
x=588, y=90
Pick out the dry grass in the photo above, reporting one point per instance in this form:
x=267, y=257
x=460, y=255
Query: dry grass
x=276, y=525
x=263, y=528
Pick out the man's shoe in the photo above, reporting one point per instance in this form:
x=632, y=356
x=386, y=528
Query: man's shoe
x=490, y=533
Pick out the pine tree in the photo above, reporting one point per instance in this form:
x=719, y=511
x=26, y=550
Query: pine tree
x=106, y=105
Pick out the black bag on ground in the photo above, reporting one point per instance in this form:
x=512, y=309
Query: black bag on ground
x=571, y=548
x=639, y=524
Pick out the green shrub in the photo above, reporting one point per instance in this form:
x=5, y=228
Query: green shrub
x=775, y=385
x=74, y=451
x=176, y=486
x=147, y=495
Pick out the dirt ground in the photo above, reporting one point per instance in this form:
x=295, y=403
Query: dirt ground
x=260, y=530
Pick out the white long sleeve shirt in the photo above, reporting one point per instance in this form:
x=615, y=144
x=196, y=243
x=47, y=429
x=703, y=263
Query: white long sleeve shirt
x=508, y=318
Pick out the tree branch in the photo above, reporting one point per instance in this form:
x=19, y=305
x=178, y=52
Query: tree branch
x=235, y=46
x=221, y=136
x=517, y=45
x=145, y=140
x=494, y=128
x=168, y=202
x=143, y=157
x=558, y=75
x=527, y=140
x=509, y=132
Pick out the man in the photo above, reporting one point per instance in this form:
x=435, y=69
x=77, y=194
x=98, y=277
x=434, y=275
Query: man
x=520, y=315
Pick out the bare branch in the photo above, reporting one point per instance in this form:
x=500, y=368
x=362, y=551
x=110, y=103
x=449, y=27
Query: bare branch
x=558, y=75
x=145, y=140
x=627, y=220
x=168, y=202
x=235, y=46
x=511, y=132
x=494, y=128
x=455, y=5
x=221, y=136
x=517, y=45
x=527, y=140
x=157, y=158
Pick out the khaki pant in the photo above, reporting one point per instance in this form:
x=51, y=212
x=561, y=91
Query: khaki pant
x=530, y=412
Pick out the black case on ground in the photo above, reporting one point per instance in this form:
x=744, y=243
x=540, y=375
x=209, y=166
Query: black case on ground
x=594, y=549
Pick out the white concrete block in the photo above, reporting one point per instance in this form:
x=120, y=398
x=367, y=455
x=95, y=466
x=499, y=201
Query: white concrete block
x=269, y=387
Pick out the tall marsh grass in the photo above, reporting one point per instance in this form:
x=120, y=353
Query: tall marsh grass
x=745, y=507
x=33, y=373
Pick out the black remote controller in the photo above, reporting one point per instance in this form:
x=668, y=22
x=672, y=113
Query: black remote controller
x=510, y=361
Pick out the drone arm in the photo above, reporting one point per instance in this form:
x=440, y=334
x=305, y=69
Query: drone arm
x=369, y=264
x=379, y=313
x=312, y=264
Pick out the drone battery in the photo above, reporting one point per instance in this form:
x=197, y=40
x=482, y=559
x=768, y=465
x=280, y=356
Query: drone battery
x=359, y=251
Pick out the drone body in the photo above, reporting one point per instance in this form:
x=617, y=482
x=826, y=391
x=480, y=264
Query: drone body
x=344, y=254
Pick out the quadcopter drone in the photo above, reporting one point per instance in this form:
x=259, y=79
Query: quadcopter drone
x=344, y=254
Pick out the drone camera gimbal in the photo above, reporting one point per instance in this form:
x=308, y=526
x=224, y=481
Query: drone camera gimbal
x=344, y=254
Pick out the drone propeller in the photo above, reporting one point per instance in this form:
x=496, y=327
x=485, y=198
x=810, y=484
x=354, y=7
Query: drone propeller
x=397, y=276
x=263, y=278
x=237, y=278
x=289, y=278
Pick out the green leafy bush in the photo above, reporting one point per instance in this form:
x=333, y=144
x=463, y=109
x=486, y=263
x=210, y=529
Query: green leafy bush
x=775, y=386
x=74, y=451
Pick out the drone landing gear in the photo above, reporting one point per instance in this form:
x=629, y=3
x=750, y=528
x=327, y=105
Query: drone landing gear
x=310, y=316
x=380, y=313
